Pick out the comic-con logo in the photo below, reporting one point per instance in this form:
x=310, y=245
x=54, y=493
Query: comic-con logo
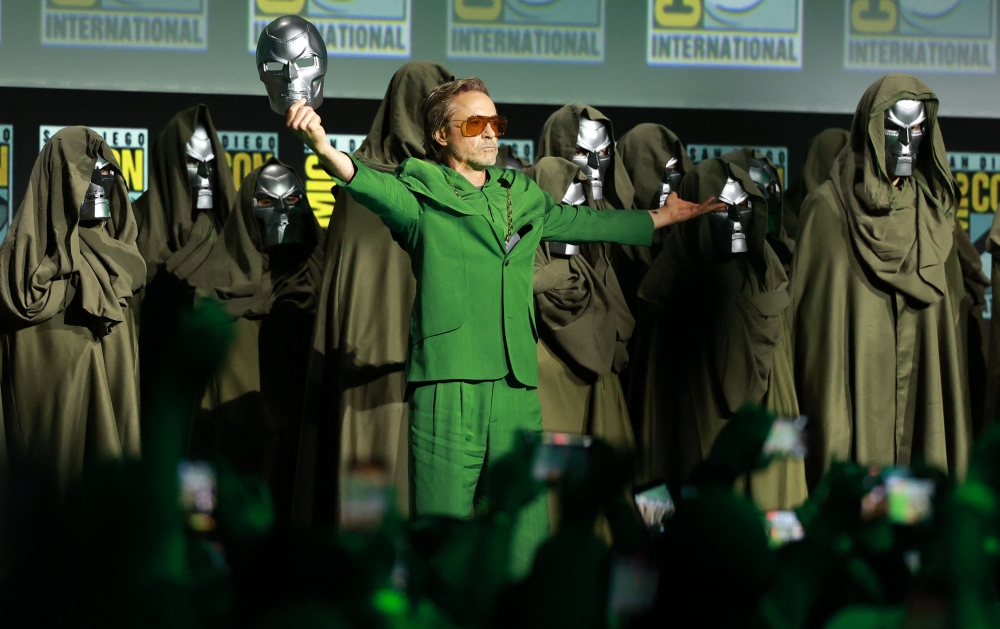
x=978, y=179
x=247, y=150
x=925, y=35
x=6, y=176
x=522, y=30
x=777, y=154
x=157, y=24
x=725, y=33
x=356, y=28
x=129, y=147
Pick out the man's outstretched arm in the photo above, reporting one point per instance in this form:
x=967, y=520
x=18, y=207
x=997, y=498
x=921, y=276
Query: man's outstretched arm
x=379, y=192
x=569, y=223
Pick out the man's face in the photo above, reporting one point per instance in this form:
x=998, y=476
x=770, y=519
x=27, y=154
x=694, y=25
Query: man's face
x=478, y=151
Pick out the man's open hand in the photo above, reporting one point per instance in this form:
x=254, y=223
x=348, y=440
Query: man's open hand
x=676, y=210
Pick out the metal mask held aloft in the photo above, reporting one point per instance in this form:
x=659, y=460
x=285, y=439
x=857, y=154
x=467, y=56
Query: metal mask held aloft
x=201, y=168
x=729, y=226
x=281, y=207
x=671, y=182
x=96, y=202
x=904, y=128
x=767, y=180
x=591, y=139
x=291, y=62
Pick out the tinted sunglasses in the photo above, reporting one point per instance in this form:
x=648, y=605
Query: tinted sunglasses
x=475, y=125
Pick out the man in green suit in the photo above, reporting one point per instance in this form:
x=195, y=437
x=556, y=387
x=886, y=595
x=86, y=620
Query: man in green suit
x=471, y=230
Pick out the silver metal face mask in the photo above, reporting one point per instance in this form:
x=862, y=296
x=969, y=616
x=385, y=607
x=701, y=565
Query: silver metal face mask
x=291, y=62
x=903, y=132
x=729, y=226
x=96, y=203
x=201, y=168
x=575, y=195
x=592, y=138
x=671, y=182
x=767, y=180
x=281, y=207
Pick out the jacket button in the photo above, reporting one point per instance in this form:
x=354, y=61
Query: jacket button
x=507, y=263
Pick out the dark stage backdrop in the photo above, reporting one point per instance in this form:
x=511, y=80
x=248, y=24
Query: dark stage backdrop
x=251, y=132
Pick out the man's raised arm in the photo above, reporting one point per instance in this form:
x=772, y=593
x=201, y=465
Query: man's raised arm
x=379, y=192
x=307, y=125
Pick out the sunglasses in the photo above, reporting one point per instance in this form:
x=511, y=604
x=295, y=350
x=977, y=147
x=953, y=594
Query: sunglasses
x=474, y=125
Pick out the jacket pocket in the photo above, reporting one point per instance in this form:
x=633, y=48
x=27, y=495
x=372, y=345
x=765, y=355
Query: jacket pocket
x=442, y=292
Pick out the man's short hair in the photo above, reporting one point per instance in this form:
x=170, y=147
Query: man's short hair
x=438, y=109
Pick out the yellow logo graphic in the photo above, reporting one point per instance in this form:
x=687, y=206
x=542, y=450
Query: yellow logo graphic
x=678, y=13
x=280, y=7
x=133, y=172
x=874, y=16
x=4, y=165
x=242, y=162
x=478, y=10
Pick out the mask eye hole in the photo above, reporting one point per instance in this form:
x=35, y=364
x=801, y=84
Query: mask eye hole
x=306, y=62
x=273, y=66
x=107, y=172
x=264, y=201
x=917, y=128
x=292, y=199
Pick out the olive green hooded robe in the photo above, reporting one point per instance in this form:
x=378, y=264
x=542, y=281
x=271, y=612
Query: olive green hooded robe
x=779, y=241
x=583, y=326
x=252, y=409
x=645, y=151
x=69, y=378
x=580, y=305
x=558, y=139
x=174, y=239
x=880, y=351
x=823, y=149
x=357, y=381
x=720, y=341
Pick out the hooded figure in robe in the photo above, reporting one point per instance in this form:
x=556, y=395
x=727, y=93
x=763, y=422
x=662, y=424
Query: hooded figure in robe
x=268, y=281
x=583, y=318
x=356, y=409
x=178, y=226
x=656, y=162
x=70, y=368
x=583, y=324
x=823, y=149
x=877, y=290
x=719, y=296
x=768, y=180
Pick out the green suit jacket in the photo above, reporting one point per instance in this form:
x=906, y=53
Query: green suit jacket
x=473, y=318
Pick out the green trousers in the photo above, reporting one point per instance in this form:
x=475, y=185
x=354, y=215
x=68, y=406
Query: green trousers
x=456, y=427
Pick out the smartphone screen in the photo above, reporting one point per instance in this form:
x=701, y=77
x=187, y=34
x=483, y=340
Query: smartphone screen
x=365, y=498
x=909, y=500
x=783, y=527
x=655, y=506
x=633, y=585
x=197, y=494
x=787, y=438
x=559, y=453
